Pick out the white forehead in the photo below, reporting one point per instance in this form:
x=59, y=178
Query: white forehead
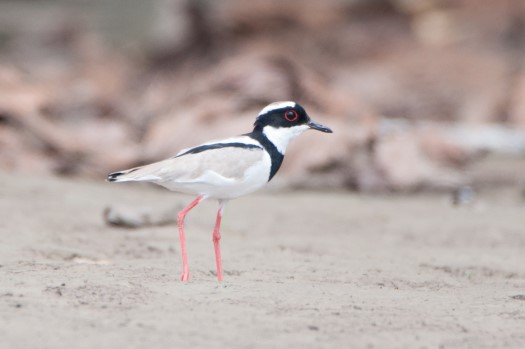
x=277, y=105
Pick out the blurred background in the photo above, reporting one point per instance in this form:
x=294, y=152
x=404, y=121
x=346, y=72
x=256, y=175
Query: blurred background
x=421, y=94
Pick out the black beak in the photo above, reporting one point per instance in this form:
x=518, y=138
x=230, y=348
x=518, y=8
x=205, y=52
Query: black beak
x=319, y=127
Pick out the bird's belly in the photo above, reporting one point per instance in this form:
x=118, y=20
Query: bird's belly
x=234, y=190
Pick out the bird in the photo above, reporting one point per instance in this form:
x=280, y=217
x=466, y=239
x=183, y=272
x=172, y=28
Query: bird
x=226, y=169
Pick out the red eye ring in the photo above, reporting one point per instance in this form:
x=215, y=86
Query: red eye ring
x=291, y=115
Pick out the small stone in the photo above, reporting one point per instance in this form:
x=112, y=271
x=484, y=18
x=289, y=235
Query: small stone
x=519, y=297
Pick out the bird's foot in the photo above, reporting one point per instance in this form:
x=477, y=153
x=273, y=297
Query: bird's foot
x=185, y=276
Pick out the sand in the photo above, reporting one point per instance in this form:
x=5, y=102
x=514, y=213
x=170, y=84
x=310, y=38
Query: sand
x=302, y=270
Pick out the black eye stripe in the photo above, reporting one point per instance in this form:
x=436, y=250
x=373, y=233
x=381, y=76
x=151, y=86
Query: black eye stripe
x=291, y=115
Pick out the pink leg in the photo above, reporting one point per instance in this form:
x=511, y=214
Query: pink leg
x=217, y=238
x=180, y=222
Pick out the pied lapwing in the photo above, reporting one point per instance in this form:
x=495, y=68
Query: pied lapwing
x=229, y=168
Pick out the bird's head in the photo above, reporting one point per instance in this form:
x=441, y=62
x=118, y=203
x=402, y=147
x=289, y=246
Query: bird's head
x=283, y=121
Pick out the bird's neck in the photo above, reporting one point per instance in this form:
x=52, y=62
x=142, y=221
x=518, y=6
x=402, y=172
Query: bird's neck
x=276, y=156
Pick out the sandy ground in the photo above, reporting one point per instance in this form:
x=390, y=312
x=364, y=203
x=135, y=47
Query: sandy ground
x=302, y=270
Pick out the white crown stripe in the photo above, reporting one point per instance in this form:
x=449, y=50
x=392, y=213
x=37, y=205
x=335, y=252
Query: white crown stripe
x=277, y=105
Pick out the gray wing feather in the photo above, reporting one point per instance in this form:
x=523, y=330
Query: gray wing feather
x=230, y=163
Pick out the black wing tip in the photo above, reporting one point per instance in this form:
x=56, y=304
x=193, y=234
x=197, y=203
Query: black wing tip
x=113, y=177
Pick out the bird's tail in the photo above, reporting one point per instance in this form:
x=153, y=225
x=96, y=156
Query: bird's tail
x=146, y=173
x=122, y=176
